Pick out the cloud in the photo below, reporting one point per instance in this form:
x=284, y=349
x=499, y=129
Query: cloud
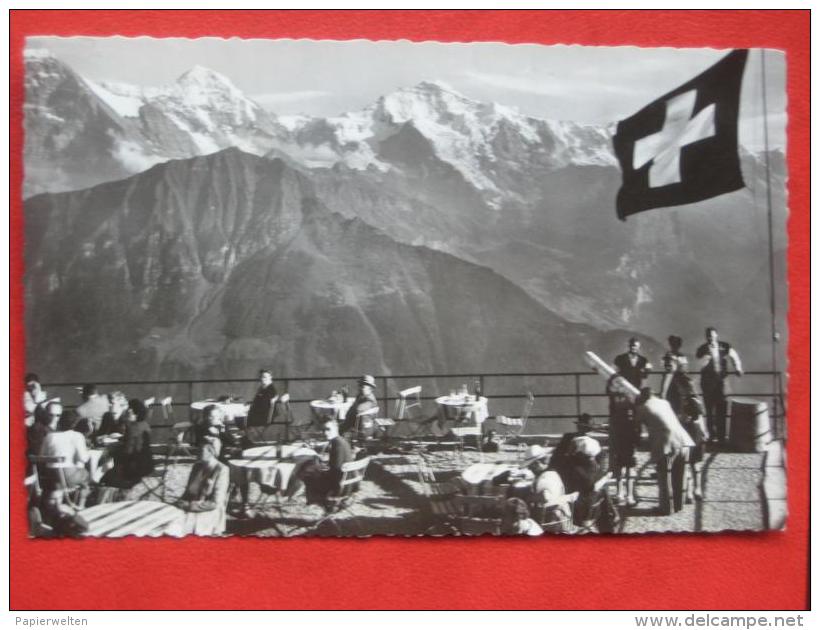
x=279, y=98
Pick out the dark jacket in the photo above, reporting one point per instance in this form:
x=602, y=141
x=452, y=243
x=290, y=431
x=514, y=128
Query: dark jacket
x=362, y=403
x=261, y=412
x=635, y=374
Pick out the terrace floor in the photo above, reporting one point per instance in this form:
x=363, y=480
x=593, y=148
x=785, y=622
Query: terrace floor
x=742, y=491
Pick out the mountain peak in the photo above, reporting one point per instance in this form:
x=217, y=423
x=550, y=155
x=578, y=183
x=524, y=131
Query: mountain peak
x=200, y=76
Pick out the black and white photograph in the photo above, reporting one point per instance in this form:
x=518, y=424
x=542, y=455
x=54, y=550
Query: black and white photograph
x=284, y=288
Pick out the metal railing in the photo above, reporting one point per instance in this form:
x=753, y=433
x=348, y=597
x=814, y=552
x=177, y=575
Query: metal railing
x=560, y=397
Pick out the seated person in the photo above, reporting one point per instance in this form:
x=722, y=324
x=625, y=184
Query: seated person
x=516, y=520
x=133, y=459
x=212, y=425
x=322, y=480
x=33, y=396
x=534, y=464
x=580, y=475
x=206, y=493
x=68, y=444
x=91, y=410
x=46, y=418
x=365, y=401
x=114, y=420
x=562, y=455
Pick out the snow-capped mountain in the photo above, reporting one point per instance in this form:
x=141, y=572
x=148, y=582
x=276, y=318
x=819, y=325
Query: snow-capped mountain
x=479, y=140
x=80, y=132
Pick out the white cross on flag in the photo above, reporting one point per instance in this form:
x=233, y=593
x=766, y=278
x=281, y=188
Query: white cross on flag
x=682, y=148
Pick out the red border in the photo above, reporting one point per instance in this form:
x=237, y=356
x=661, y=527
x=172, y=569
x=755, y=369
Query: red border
x=761, y=571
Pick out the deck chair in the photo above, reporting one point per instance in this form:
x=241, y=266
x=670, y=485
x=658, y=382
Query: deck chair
x=513, y=428
x=344, y=499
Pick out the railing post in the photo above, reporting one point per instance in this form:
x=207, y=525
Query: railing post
x=481, y=385
x=577, y=394
x=289, y=414
x=384, y=395
x=190, y=400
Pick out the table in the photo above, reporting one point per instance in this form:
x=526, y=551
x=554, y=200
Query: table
x=232, y=409
x=269, y=466
x=463, y=409
x=336, y=409
x=477, y=479
x=133, y=518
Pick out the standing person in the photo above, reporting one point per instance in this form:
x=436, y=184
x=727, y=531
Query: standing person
x=624, y=436
x=260, y=414
x=680, y=393
x=632, y=365
x=674, y=353
x=714, y=357
x=33, y=396
x=364, y=402
x=669, y=444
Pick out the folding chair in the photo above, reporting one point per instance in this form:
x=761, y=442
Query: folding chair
x=343, y=500
x=463, y=432
x=441, y=499
x=180, y=443
x=513, y=428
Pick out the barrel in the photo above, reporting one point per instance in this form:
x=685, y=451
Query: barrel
x=749, y=427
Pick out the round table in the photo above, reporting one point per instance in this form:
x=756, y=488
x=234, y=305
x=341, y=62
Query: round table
x=477, y=479
x=462, y=409
x=269, y=466
x=336, y=409
x=231, y=409
x=133, y=518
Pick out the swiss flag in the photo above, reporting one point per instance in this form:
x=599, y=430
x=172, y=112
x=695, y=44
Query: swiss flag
x=682, y=148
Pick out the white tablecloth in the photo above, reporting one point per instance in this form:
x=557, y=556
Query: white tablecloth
x=231, y=409
x=269, y=466
x=461, y=409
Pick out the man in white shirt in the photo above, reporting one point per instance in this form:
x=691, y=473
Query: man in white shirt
x=69, y=445
x=714, y=357
x=669, y=445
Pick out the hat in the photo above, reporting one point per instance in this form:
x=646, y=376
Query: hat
x=534, y=453
x=367, y=379
x=586, y=446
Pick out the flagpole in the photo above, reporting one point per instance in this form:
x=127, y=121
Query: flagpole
x=772, y=301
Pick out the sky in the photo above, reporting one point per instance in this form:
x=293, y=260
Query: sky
x=325, y=78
